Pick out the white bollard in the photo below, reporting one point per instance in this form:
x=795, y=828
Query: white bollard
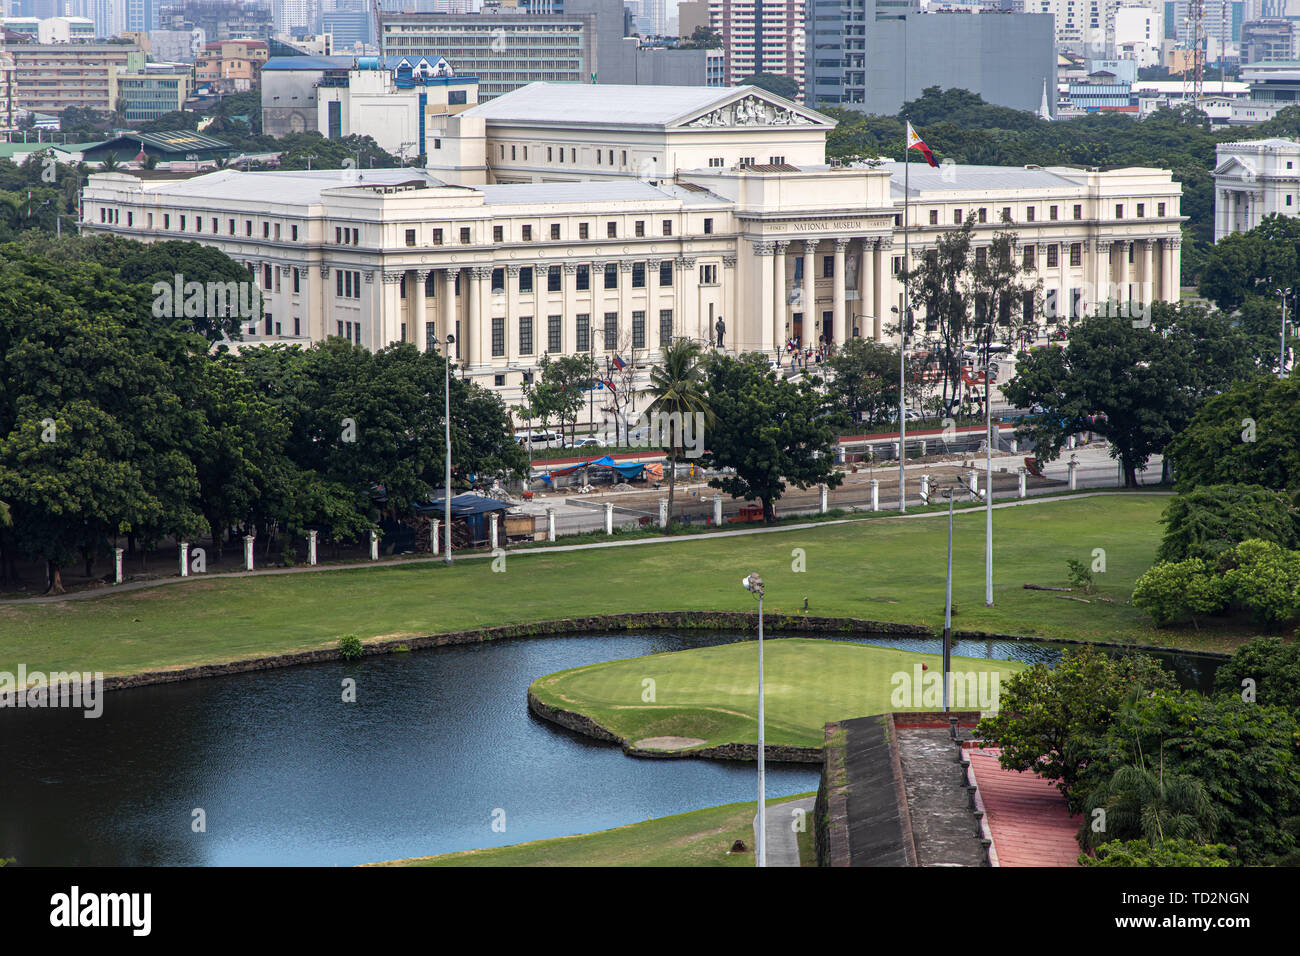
x=1074, y=480
x=896, y=454
x=1069, y=443
x=492, y=529
x=609, y=517
x=922, y=447
x=717, y=509
x=1020, y=476
x=185, y=559
x=433, y=536
x=839, y=454
x=550, y=524
x=875, y=494
x=663, y=512
x=1015, y=446
x=925, y=489
x=825, y=499
x=248, y=552
x=973, y=480
x=311, y=547
x=117, y=566
x=374, y=545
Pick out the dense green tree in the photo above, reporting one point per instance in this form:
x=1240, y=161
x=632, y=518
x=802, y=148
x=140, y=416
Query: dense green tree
x=1272, y=667
x=1165, y=853
x=1210, y=519
x=771, y=432
x=1248, y=434
x=1141, y=801
x=1137, y=385
x=864, y=380
x=1051, y=719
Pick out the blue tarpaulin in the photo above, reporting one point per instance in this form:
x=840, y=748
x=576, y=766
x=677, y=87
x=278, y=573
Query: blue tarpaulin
x=630, y=470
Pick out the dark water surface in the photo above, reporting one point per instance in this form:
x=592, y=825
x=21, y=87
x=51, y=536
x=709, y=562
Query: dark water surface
x=288, y=774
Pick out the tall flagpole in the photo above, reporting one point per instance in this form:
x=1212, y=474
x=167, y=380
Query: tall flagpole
x=902, y=318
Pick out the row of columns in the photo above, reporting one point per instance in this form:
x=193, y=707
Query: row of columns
x=777, y=311
x=1114, y=278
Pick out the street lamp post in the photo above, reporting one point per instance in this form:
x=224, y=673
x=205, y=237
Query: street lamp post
x=449, y=340
x=754, y=584
x=988, y=481
x=947, y=607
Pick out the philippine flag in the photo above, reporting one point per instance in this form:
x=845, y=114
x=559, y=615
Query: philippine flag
x=915, y=142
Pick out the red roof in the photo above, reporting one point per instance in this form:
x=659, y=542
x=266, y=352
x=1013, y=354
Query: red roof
x=1027, y=816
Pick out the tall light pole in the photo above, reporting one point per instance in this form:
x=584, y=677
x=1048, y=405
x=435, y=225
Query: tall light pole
x=947, y=607
x=449, y=340
x=754, y=584
x=1281, y=351
x=988, y=481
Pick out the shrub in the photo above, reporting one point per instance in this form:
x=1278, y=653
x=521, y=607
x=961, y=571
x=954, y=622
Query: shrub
x=1265, y=581
x=350, y=647
x=1164, y=853
x=1081, y=576
x=1162, y=591
x=1272, y=665
x=1212, y=519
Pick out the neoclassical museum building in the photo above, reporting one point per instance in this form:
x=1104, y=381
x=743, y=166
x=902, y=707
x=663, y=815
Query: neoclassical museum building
x=566, y=218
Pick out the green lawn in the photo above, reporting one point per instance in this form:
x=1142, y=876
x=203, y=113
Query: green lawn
x=698, y=838
x=880, y=568
x=711, y=693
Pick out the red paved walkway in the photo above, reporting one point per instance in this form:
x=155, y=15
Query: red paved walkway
x=1026, y=814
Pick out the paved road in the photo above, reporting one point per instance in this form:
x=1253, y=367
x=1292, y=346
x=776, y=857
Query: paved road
x=782, y=839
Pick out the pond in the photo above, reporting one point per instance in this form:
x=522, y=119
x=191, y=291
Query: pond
x=438, y=748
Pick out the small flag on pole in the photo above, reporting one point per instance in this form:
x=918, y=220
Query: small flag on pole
x=619, y=363
x=915, y=142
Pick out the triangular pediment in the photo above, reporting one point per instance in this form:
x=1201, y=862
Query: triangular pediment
x=751, y=107
x=1237, y=168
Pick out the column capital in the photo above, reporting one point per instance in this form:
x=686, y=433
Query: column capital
x=480, y=272
x=652, y=264
x=625, y=266
x=1175, y=243
x=841, y=243
x=324, y=272
x=392, y=278
x=370, y=275
x=764, y=248
x=686, y=262
x=810, y=247
x=284, y=270
x=781, y=245
x=570, y=268
x=886, y=242
x=728, y=262
x=512, y=270
x=421, y=275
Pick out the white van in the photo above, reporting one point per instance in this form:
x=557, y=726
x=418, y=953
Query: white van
x=539, y=439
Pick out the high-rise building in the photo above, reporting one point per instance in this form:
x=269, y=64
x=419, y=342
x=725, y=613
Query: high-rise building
x=868, y=58
x=760, y=36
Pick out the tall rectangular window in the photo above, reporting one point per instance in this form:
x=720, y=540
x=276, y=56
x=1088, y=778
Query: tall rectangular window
x=638, y=275
x=665, y=327
x=1052, y=256
x=638, y=330
x=1029, y=258
x=584, y=331
x=611, y=275
x=611, y=331
x=554, y=332
x=498, y=336
x=582, y=278
x=665, y=272
x=584, y=230
x=1076, y=254
x=526, y=279
x=554, y=279
x=525, y=335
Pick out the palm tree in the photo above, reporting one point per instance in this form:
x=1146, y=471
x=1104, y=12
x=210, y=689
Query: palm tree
x=677, y=387
x=1142, y=803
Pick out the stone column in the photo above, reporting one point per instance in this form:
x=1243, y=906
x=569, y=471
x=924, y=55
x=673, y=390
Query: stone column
x=374, y=545
x=185, y=559
x=663, y=512
x=1148, y=248
x=248, y=552
x=1020, y=481
x=117, y=566
x=728, y=306
x=476, y=321
x=1073, y=474
x=840, y=328
x=781, y=308
x=717, y=509
x=609, y=517
x=1174, y=281
x=550, y=524
x=1119, y=271
x=311, y=547
x=447, y=306
x=875, y=494
x=761, y=285
x=812, y=322
x=866, y=261
x=511, y=310
x=419, y=312
x=493, y=538
x=884, y=277
x=388, y=327
x=825, y=499
x=433, y=536
x=1101, y=276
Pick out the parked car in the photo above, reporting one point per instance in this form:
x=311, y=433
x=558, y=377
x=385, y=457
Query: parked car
x=587, y=443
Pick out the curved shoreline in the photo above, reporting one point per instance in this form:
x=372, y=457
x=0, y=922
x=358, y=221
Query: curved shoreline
x=631, y=621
